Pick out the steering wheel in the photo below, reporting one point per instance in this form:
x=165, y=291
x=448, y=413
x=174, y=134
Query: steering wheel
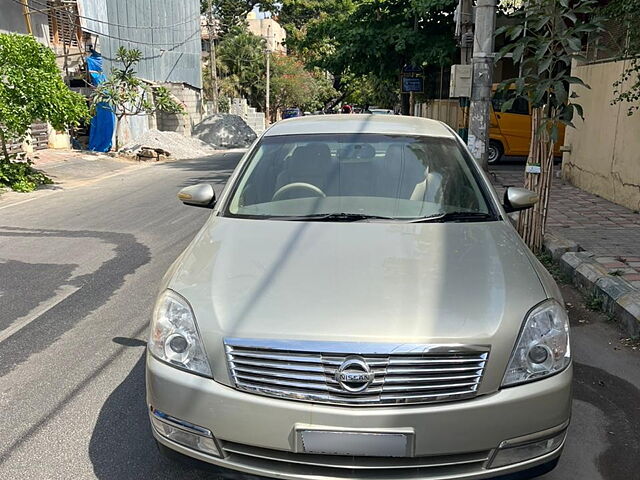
x=292, y=186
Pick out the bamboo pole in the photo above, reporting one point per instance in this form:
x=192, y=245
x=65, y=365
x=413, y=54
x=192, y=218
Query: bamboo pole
x=532, y=222
x=27, y=16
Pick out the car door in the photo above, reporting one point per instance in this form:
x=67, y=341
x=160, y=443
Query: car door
x=514, y=125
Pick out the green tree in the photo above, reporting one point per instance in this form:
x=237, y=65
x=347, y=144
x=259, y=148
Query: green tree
x=127, y=95
x=242, y=64
x=555, y=34
x=31, y=89
x=293, y=86
x=231, y=13
x=626, y=13
x=353, y=39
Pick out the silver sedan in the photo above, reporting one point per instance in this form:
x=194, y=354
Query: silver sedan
x=358, y=305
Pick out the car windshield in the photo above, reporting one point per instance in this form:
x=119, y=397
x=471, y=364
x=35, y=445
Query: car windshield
x=358, y=176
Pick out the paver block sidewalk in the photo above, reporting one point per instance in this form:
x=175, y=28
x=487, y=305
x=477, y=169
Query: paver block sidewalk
x=609, y=234
x=596, y=224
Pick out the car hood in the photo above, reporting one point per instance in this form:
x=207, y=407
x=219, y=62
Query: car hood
x=444, y=283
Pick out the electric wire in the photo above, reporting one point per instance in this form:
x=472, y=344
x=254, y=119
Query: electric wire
x=115, y=37
x=143, y=27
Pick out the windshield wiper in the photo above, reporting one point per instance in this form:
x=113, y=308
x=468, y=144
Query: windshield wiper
x=334, y=217
x=455, y=217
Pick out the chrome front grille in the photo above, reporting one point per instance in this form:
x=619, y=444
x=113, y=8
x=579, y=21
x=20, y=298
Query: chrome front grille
x=393, y=374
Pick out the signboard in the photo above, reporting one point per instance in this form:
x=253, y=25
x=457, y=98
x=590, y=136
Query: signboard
x=412, y=84
x=412, y=69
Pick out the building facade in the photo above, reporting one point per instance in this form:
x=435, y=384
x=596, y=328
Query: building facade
x=603, y=154
x=16, y=18
x=269, y=29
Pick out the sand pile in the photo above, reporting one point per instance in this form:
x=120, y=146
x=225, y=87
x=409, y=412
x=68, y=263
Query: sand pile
x=224, y=130
x=167, y=145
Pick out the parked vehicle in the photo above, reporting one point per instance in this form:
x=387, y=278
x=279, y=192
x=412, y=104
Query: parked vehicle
x=291, y=113
x=381, y=111
x=358, y=305
x=510, y=131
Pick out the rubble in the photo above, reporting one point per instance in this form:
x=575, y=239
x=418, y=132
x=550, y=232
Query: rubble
x=155, y=145
x=224, y=130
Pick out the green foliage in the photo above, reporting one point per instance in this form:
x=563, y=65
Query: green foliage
x=555, y=34
x=31, y=89
x=241, y=58
x=230, y=13
x=594, y=303
x=127, y=95
x=20, y=176
x=553, y=268
x=626, y=13
x=370, y=40
x=369, y=90
x=242, y=64
x=292, y=85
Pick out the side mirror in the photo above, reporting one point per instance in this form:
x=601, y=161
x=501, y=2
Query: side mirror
x=516, y=199
x=200, y=195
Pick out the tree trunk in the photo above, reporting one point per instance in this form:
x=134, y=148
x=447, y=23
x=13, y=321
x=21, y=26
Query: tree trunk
x=119, y=127
x=5, y=151
x=532, y=222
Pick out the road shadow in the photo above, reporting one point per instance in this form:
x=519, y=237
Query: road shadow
x=39, y=280
x=94, y=290
x=122, y=446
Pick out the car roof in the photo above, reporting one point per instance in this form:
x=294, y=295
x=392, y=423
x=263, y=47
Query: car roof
x=360, y=123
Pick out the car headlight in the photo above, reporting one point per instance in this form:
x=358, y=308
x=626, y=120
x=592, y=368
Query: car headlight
x=543, y=346
x=174, y=337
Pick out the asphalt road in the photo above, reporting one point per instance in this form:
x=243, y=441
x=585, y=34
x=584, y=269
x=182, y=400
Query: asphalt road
x=79, y=271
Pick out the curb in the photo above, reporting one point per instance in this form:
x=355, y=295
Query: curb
x=618, y=297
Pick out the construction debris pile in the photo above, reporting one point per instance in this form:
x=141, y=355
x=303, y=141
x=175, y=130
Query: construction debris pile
x=225, y=131
x=155, y=145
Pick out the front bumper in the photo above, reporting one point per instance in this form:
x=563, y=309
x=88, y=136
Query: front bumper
x=451, y=440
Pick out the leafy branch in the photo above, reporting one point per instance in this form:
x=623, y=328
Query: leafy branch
x=626, y=13
x=125, y=94
x=549, y=35
x=31, y=89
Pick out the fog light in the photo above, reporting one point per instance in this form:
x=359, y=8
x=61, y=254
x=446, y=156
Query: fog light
x=508, y=455
x=184, y=433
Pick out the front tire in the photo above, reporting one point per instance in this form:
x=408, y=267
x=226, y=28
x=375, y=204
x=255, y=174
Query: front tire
x=495, y=152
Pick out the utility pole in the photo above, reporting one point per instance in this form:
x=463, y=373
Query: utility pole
x=267, y=98
x=212, y=56
x=482, y=79
x=464, y=30
x=268, y=92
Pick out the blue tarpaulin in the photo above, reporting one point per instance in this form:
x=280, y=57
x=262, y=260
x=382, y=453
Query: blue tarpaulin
x=104, y=122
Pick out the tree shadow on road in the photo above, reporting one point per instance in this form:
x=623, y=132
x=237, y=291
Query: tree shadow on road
x=94, y=290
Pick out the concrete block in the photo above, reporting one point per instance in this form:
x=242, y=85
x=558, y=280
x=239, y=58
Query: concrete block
x=558, y=246
x=587, y=274
x=613, y=287
x=569, y=262
x=628, y=313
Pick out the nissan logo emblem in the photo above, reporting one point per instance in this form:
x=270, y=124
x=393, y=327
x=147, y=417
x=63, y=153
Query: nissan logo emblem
x=354, y=375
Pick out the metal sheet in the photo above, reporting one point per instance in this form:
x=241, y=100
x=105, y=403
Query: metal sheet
x=167, y=32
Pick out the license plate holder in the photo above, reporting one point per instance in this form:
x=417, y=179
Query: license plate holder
x=357, y=443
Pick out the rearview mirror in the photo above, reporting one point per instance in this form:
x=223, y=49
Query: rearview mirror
x=200, y=195
x=516, y=199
